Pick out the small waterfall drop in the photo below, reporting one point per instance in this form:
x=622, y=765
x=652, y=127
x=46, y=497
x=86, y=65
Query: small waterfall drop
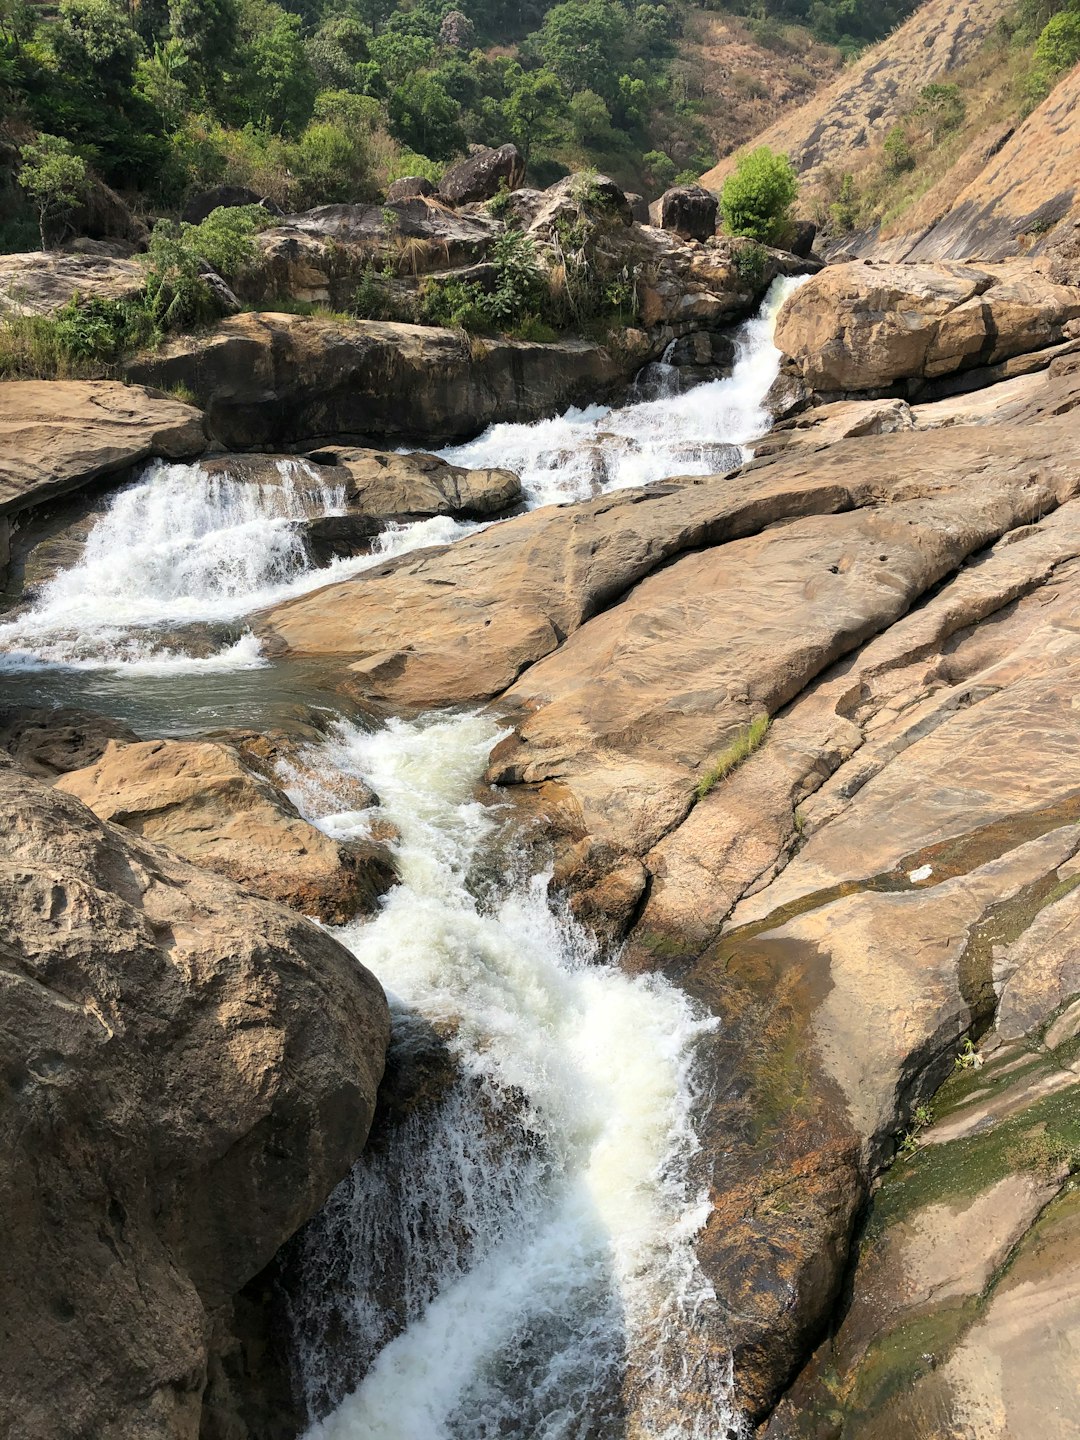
x=540, y=1221
x=700, y=432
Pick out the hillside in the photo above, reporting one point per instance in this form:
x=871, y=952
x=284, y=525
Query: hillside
x=860, y=106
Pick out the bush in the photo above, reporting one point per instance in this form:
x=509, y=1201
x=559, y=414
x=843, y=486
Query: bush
x=519, y=291
x=943, y=107
x=899, y=157
x=177, y=295
x=1058, y=47
x=756, y=200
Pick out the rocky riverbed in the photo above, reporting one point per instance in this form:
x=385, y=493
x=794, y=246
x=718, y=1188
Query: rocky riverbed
x=699, y=830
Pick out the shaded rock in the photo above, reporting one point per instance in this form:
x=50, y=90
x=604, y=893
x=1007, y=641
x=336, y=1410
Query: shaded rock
x=37, y=284
x=863, y=326
x=639, y=207
x=409, y=187
x=224, y=197
x=689, y=210
x=57, y=435
x=49, y=742
x=483, y=175
x=804, y=233
x=711, y=348
x=103, y=215
x=198, y=798
x=278, y=381
x=190, y=1070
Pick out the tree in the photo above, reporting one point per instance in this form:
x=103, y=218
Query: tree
x=1058, y=47
x=424, y=117
x=54, y=178
x=757, y=198
x=207, y=33
x=94, y=42
x=580, y=40
x=274, y=86
x=534, y=110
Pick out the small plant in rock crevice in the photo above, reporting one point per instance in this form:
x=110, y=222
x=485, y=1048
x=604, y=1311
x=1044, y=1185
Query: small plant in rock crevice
x=922, y=1118
x=740, y=749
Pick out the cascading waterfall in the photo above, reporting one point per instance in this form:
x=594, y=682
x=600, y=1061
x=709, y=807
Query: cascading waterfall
x=700, y=432
x=539, y=1222
x=182, y=546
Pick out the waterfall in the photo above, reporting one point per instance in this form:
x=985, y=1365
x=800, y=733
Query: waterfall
x=539, y=1221
x=700, y=432
x=182, y=546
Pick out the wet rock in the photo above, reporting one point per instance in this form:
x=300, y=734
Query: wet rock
x=198, y=798
x=689, y=210
x=280, y=381
x=704, y=348
x=49, y=742
x=224, y=197
x=190, y=1070
x=863, y=326
x=482, y=175
x=409, y=187
x=804, y=233
x=388, y=486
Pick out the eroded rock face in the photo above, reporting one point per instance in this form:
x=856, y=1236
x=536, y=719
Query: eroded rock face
x=190, y=1070
x=483, y=175
x=865, y=326
x=198, y=798
x=278, y=381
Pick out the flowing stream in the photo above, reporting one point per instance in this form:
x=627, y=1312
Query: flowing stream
x=539, y=1220
x=515, y=1257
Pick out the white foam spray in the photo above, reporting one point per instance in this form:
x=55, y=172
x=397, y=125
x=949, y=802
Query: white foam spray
x=548, y=1268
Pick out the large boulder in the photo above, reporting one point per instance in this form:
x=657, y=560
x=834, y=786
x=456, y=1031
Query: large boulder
x=50, y=742
x=865, y=326
x=200, y=799
x=226, y=197
x=279, y=381
x=189, y=1070
x=482, y=175
x=582, y=201
x=689, y=210
x=409, y=187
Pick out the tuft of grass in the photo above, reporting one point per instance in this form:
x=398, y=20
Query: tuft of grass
x=740, y=749
x=183, y=393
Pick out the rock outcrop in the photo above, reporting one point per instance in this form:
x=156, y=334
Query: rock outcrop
x=189, y=1071
x=200, y=799
x=47, y=743
x=869, y=326
x=278, y=381
x=57, y=436
x=482, y=175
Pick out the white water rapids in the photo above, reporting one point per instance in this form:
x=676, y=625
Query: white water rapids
x=182, y=547
x=514, y=1260
x=539, y=1223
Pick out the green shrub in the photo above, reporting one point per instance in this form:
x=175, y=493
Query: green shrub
x=899, y=157
x=54, y=179
x=177, y=295
x=943, y=107
x=519, y=291
x=757, y=198
x=845, y=210
x=750, y=261
x=1058, y=47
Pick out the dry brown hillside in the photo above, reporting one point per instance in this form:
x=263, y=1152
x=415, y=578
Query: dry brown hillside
x=857, y=110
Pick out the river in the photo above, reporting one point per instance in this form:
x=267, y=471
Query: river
x=536, y=1226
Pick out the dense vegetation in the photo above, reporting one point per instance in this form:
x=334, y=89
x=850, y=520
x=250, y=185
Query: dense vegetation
x=320, y=100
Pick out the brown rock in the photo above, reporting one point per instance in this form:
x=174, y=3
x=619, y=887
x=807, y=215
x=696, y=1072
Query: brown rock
x=483, y=175
x=57, y=435
x=189, y=1072
x=863, y=326
x=200, y=800
x=409, y=187
x=47, y=743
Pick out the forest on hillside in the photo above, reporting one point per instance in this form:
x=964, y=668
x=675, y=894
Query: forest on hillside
x=311, y=101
